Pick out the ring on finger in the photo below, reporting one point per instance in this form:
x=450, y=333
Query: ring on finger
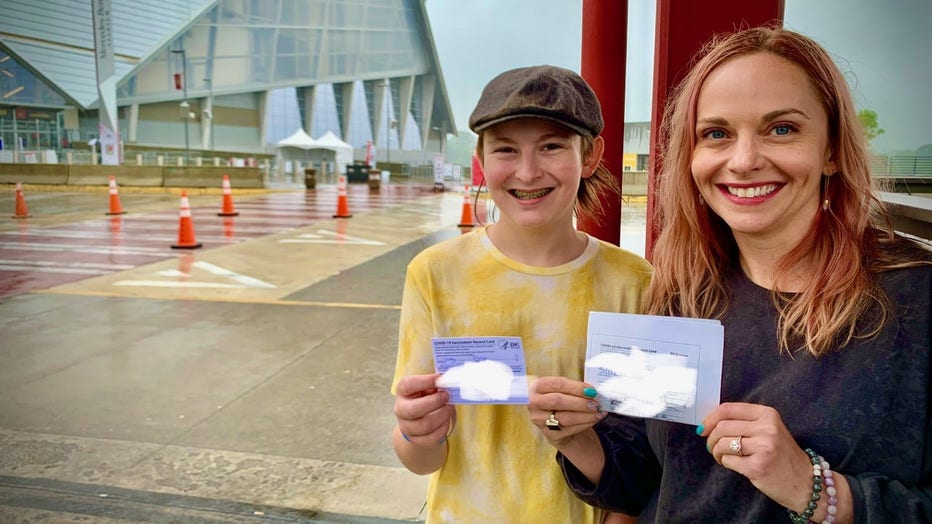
x=735, y=446
x=552, y=423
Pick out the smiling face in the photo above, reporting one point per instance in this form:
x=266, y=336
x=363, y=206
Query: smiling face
x=533, y=169
x=762, y=146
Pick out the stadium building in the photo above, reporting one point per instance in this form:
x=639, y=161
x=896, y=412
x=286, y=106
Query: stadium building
x=233, y=77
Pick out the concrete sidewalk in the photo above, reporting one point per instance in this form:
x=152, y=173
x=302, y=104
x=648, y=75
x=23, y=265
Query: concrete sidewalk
x=187, y=404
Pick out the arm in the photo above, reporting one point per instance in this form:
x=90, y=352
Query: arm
x=424, y=419
x=606, y=459
x=424, y=422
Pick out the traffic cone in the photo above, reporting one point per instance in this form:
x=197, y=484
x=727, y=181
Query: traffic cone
x=115, y=207
x=185, y=226
x=21, y=211
x=227, y=210
x=342, y=206
x=466, y=217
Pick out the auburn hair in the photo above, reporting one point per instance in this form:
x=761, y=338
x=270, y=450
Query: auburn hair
x=847, y=244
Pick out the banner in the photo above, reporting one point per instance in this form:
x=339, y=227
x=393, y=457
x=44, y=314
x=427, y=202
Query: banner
x=108, y=123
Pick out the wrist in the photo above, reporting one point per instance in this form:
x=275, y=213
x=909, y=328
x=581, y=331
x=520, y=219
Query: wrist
x=822, y=505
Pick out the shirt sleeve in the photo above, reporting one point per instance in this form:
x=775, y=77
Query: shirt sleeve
x=632, y=472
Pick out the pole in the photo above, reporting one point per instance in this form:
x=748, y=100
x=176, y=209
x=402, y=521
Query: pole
x=388, y=101
x=185, y=104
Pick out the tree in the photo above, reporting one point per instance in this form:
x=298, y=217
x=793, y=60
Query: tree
x=868, y=120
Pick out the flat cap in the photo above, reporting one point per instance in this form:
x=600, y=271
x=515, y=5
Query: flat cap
x=547, y=92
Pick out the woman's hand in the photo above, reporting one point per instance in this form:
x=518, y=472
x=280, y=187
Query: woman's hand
x=765, y=452
x=569, y=402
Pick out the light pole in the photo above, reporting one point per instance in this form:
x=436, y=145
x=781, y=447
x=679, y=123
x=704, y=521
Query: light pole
x=209, y=113
x=185, y=106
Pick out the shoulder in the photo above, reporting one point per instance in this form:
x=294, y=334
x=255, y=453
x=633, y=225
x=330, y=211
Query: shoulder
x=448, y=255
x=624, y=261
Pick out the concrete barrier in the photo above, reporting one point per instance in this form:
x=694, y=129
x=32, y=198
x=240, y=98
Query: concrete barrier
x=209, y=176
x=34, y=173
x=130, y=175
x=85, y=175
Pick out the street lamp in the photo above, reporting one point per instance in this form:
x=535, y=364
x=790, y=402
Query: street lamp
x=185, y=107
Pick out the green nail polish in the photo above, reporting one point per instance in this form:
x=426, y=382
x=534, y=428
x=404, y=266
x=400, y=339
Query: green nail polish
x=699, y=429
x=590, y=392
x=707, y=448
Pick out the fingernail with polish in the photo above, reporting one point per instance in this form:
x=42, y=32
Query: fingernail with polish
x=699, y=429
x=592, y=405
x=590, y=392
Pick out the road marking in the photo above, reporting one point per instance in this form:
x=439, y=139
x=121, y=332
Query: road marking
x=71, y=268
x=241, y=281
x=336, y=238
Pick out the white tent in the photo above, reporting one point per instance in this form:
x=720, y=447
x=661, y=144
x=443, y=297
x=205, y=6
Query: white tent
x=299, y=139
x=294, y=151
x=343, y=151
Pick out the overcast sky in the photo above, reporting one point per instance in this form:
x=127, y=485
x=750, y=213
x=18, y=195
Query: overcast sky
x=884, y=47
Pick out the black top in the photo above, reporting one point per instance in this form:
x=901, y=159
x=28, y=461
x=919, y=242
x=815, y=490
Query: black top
x=865, y=409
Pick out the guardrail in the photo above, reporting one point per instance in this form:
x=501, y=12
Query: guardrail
x=902, y=165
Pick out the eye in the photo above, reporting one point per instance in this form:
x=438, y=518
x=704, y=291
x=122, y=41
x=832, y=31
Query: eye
x=783, y=129
x=551, y=146
x=714, y=134
x=503, y=149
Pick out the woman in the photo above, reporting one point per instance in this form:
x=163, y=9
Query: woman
x=528, y=275
x=770, y=224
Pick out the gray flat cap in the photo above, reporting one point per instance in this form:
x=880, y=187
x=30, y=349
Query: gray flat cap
x=547, y=92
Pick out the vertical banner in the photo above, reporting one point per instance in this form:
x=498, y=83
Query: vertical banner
x=440, y=161
x=108, y=121
x=369, y=155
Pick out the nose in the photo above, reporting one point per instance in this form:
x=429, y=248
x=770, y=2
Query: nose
x=528, y=168
x=745, y=156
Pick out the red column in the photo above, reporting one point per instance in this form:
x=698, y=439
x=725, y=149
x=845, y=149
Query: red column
x=604, y=36
x=682, y=29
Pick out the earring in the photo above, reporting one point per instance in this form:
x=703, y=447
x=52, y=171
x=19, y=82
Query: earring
x=825, y=203
x=701, y=201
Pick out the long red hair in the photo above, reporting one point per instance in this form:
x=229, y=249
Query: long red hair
x=847, y=243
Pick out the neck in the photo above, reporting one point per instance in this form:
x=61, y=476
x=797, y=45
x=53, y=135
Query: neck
x=759, y=260
x=538, y=247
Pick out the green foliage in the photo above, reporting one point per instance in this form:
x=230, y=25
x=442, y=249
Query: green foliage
x=460, y=148
x=868, y=120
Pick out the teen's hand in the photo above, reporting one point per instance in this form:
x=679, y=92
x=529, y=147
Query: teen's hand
x=424, y=417
x=570, y=402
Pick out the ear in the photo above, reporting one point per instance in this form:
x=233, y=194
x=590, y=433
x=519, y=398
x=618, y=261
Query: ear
x=829, y=168
x=591, y=163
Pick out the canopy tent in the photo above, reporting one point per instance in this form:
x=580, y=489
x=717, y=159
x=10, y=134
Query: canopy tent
x=342, y=150
x=328, y=148
x=299, y=139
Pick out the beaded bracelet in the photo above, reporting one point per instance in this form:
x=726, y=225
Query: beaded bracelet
x=820, y=470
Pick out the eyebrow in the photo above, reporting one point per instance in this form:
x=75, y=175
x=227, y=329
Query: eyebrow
x=773, y=115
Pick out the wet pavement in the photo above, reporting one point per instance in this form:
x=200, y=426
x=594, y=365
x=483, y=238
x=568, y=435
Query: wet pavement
x=246, y=381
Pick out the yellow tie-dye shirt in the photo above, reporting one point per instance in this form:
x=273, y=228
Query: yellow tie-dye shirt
x=499, y=468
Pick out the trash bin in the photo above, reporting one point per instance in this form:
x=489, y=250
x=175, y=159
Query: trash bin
x=310, y=178
x=375, y=179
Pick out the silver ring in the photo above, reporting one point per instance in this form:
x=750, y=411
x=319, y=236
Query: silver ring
x=735, y=446
x=552, y=423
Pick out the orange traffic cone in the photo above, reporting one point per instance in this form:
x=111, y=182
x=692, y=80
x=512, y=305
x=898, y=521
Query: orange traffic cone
x=115, y=207
x=185, y=226
x=21, y=211
x=466, y=216
x=227, y=210
x=342, y=206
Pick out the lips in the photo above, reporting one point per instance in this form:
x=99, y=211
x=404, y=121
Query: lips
x=530, y=195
